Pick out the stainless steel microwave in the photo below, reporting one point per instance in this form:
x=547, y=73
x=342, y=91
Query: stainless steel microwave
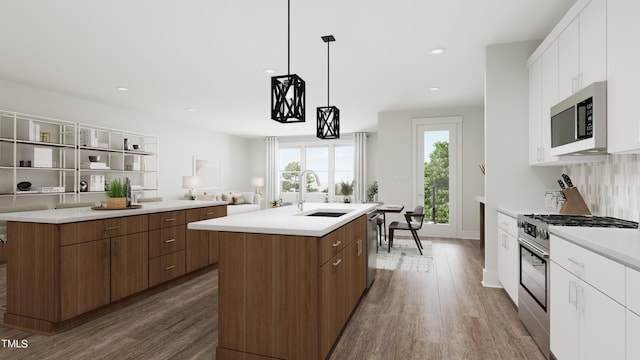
x=579, y=123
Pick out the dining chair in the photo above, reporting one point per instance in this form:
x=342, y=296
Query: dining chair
x=413, y=222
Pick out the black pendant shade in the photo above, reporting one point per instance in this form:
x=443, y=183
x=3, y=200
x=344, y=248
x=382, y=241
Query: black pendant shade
x=328, y=117
x=287, y=98
x=328, y=123
x=288, y=91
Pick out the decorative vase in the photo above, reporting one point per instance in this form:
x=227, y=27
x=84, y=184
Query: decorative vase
x=117, y=203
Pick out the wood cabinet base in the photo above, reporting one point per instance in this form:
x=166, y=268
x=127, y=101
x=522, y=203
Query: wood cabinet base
x=50, y=328
x=227, y=354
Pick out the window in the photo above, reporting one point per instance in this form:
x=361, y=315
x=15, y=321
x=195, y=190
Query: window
x=289, y=169
x=332, y=163
x=343, y=173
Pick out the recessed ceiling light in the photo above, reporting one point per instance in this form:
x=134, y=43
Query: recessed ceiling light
x=437, y=51
x=269, y=71
x=121, y=88
x=191, y=109
x=435, y=88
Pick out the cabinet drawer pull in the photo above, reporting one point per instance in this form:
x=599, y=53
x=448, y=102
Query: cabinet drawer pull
x=169, y=267
x=576, y=262
x=210, y=213
x=169, y=219
x=337, y=243
x=112, y=228
x=337, y=262
x=169, y=241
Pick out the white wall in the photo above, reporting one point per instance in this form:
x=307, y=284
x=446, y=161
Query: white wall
x=177, y=143
x=510, y=181
x=394, y=157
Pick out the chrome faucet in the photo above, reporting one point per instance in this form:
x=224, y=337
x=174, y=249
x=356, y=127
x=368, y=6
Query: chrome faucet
x=303, y=185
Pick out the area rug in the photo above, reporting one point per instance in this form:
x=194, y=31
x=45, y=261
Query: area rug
x=404, y=256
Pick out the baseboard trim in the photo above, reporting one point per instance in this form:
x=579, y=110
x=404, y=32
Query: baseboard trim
x=469, y=234
x=490, y=279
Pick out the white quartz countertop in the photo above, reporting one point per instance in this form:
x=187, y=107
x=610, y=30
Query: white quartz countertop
x=287, y=220
x=621, y=245
x=62, y=216
x=515, y=211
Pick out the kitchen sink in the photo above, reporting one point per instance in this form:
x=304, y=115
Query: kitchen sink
x=327, y=213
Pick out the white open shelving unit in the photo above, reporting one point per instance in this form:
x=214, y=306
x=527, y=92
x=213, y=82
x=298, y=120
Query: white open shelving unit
x=58, y=157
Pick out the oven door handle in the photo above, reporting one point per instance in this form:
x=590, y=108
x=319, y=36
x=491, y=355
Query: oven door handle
x=533, y=248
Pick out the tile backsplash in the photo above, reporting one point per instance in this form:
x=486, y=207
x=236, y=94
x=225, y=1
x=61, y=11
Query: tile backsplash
x=610, y=187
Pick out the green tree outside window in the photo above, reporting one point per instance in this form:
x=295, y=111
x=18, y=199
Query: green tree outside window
x=436, y=184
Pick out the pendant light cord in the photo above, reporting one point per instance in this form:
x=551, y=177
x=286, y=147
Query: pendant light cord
x=328, y=74
x=288, y=37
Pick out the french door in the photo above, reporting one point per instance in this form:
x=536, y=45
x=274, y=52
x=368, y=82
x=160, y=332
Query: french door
x=436, y=169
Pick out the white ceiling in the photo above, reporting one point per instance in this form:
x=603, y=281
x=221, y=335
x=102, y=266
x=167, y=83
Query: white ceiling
x=210, y=55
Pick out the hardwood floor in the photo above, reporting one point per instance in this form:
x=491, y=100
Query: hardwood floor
x=445, y=314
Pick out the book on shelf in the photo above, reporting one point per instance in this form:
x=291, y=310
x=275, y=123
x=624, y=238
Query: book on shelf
x=27, y=192
x=95, y=166
x=51, y=189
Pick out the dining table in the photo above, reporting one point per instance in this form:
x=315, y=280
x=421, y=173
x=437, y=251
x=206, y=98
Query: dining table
x=383, y=210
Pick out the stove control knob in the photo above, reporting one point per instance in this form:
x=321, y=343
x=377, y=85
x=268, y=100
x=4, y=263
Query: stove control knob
x=544, y=234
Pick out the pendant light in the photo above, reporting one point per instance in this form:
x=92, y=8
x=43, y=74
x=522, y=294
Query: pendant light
x=328, y=118
x=288, y=91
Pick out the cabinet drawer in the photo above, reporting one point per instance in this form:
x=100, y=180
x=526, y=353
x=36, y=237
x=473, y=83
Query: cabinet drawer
x=166, y=267
x=80, y=232
x=166, y=240
x=331, y=244
x=166, y=219
x=633, y=290
x=602, y=273
x=508, y=224
x=360, y=225
x=205, y=213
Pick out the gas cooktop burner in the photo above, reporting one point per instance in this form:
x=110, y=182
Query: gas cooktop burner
x=583, y=220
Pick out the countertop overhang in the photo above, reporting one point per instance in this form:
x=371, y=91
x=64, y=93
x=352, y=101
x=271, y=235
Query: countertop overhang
x=70, y=215
x=286, y=220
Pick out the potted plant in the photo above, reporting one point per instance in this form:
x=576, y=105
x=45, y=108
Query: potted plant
x=116, y=190
x=346, y=189
x=276, y=203
x=372, y=192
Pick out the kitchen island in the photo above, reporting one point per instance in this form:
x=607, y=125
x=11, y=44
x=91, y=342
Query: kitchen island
x=67, y=266
x=288, y=279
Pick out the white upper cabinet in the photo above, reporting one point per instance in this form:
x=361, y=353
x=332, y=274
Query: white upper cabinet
x=549, y=97
x=593, y=43
x=568, y=67
x=623, y=76
x=583, y=49
x=573, y=56
x=543, y=94
x=535, y=113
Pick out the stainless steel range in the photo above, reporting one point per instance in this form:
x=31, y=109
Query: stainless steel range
x=533, y=292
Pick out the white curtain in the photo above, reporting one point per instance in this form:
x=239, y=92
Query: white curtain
x=360, y=167
x=272, y=183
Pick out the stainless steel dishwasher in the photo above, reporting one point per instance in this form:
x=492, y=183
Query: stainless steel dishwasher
x=372, y=245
